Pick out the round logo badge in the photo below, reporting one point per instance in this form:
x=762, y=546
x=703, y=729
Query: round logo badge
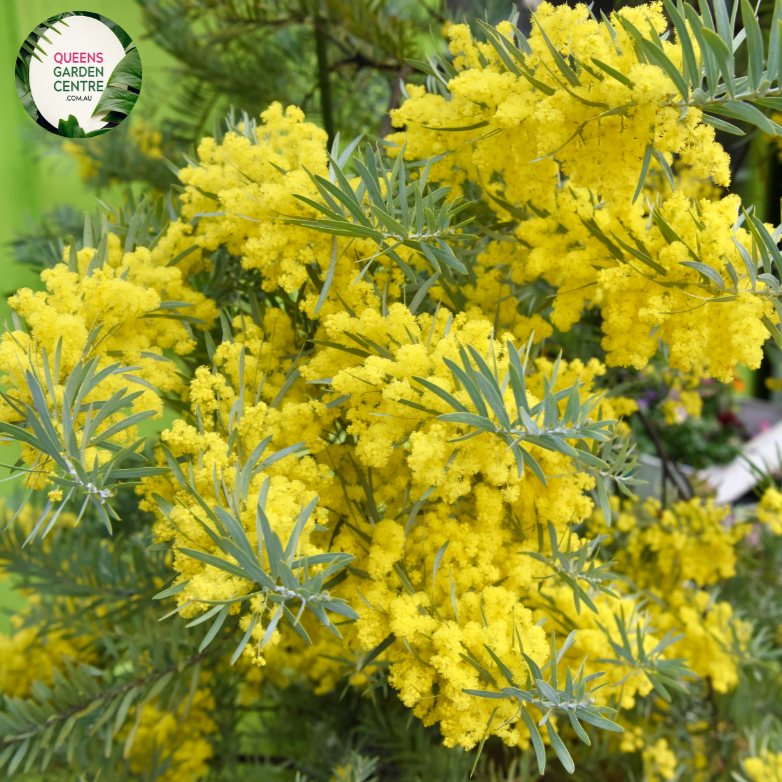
x=78, y=74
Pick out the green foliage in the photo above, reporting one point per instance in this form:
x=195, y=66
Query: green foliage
x=571, y=567
x=58, y=719
x=280, y=584
x=573, y=700
x=52, y=430
x=486, y=391
x=83, y=719
x=408, y=215
x=39, y=243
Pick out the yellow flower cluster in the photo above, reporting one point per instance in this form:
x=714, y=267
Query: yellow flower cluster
x=148, y=140
x=597, y=131
x=659, y=762
x=402, y=453
x=182, y=743
x=476, y=510
x=253, y=178
x=673, y=555
x=112, y=313
x=28, y=655
x=691, y=541
x=387, y=411
x=87, y=165
x=294, y=481
x=765, y=769
x=586, y=237
x=574, y=245
x=770, y=509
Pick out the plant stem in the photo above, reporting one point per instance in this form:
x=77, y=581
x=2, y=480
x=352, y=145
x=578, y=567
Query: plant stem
x=325, y=84
x=394, y=98
x=670, y=469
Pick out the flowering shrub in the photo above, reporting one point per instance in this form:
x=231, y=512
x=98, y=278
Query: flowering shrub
x=381, y=474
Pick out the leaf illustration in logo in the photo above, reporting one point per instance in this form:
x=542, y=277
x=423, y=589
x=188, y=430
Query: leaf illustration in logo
x=118, y=95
